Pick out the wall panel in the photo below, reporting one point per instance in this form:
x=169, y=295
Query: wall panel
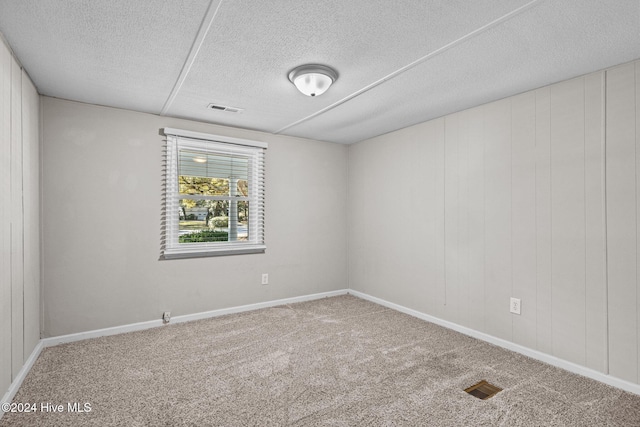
x=419, y=217
x=476, y=220
x=464, y=302
x=19, y=218
x=5, y=218
x=544, y=289
x=17, y=229
x=31, y=200
x=595, y=255
x=622, y=220
x=432, y=141
x=452, y=217
x=497, y=205
x=568, y=220
x=523, y=210
x=439, y=202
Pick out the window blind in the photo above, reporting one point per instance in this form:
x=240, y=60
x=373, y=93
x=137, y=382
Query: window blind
x=214, y=195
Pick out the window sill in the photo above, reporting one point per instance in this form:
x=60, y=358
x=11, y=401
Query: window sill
x=199, y=253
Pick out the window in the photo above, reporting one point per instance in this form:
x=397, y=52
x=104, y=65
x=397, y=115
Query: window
x=214, y=195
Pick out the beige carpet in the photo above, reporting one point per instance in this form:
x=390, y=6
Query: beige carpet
x=337, y=361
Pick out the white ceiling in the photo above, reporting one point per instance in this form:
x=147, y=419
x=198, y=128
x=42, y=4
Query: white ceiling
x=399, y=62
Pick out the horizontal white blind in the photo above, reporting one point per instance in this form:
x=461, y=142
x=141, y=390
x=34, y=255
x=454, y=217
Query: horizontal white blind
x=214, y=197
x=213, y=165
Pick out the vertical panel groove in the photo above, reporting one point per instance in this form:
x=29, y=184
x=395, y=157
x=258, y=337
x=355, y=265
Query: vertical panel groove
x=40, y=214
x=511, y=212
x=535, y=198
x=584, y=212
x=552, y=341
x=444, y=203
x=457, y=210
x=603, y=138
x=468, y=304
x=635, y=205
x=635, y=134
x=484, y=224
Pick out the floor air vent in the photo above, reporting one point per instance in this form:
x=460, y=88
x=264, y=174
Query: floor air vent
x=483, y=390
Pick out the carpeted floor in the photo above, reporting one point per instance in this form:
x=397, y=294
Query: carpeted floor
x=338, y=361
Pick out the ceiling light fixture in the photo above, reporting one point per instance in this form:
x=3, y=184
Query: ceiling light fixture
x=200, y=160
x=313, y=79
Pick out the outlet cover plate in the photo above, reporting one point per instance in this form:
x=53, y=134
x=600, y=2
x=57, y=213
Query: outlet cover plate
x=514, y=306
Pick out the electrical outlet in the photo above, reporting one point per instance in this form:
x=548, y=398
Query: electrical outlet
x=514, y=306
x=166, y=316
x=265, y=278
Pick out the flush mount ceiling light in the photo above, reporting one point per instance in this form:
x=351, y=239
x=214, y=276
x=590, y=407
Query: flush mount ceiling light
x=313, y=79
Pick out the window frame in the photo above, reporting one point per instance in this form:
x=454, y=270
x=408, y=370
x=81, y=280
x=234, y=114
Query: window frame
x=177, y=139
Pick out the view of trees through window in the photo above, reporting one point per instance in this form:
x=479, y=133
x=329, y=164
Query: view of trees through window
x=206, y=207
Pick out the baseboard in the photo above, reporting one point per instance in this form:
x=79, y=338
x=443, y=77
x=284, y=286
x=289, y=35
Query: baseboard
x=22, y=374
x=534, y=354
x=256, y=306
x=49, y=342
x=62, y=339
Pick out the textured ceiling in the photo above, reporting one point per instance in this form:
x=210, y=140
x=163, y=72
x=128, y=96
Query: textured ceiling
x=400, y=63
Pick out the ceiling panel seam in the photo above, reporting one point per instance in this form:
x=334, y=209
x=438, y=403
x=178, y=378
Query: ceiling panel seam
x=417, y=62
x=209, y=17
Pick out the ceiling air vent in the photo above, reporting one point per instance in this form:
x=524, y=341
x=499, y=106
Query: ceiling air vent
x=225, y=108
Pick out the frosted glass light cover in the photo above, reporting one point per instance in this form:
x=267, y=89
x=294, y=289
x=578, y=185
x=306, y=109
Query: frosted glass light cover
x=313, y=79
x=313, y=84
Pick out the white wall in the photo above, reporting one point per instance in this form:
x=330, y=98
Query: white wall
x=623, y=189
x=454, y=216
x=19, y=218
x=102, y=199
